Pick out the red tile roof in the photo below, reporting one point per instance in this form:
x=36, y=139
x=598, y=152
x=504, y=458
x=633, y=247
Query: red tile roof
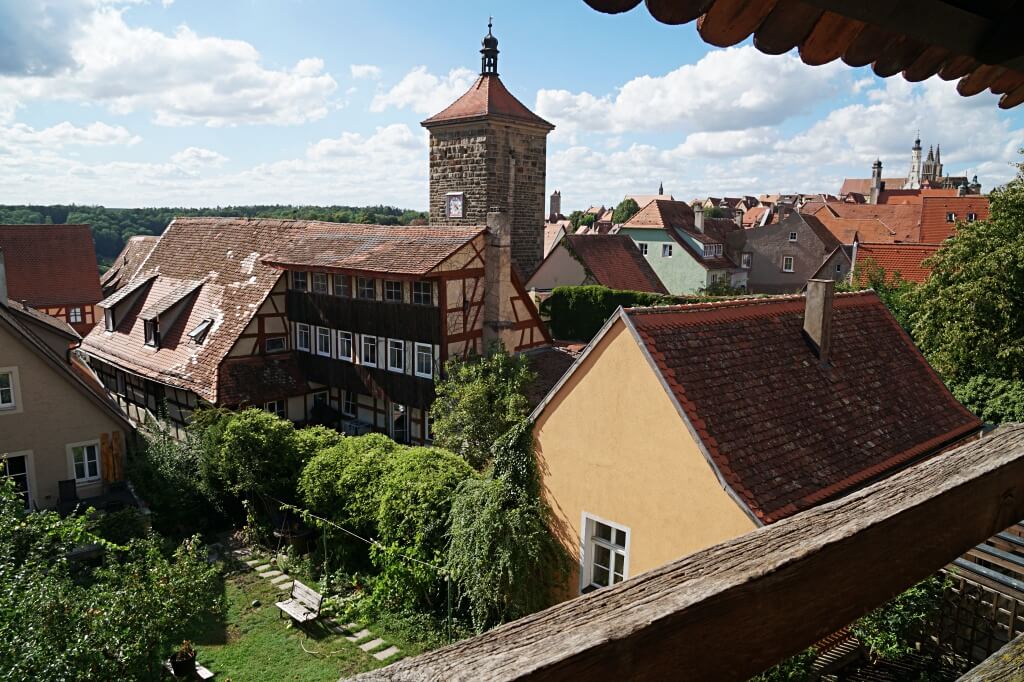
x=32, y=316
x=934, y=226
x=906, y=259
x=871, y=222
x=614, y=261
x=782, y=431
x=863, y=185
x=51, y=265
x=128, y=263
x=487, y=99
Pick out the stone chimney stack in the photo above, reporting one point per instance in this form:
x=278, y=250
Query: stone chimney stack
x=698, y=217
x=876, y=181
x=556, y=206
x=961, y=189
x=818, y=316
x=3, y=279
x=498, y=314
x=738, y=216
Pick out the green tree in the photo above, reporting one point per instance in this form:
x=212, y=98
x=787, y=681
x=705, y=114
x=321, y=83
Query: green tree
x=898, y=294
x=894, y=629
x=259, y=455
x=478, y=401
x=626, y=209
x=714, y=212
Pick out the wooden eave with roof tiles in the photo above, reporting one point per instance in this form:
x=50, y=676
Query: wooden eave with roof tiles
x=977, y=43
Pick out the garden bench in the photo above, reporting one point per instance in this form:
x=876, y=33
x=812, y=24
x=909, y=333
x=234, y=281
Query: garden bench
x=304, y=604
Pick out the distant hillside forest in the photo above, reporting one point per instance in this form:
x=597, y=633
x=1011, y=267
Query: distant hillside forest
x=111, y=227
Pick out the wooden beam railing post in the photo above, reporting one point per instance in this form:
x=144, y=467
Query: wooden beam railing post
x=730, y=611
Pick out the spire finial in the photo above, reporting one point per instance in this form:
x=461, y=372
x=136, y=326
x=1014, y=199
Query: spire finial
x=489, y=53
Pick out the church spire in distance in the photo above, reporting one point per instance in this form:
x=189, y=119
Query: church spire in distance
x=489, y=53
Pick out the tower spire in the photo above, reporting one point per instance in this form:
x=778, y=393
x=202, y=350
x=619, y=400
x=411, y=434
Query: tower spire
x=489, y=52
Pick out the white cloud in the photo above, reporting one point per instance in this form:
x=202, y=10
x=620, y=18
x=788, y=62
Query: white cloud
x=193, y=157
x=183, y=78
x=35, y=37
x=64, y=134
x=365, y=71
x=728, y=89
x=423, y=92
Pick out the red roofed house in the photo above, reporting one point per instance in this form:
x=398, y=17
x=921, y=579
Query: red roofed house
x=940, y=215
x=905, y=259
x=52, y=268
x=730, y=416
x=611, y=260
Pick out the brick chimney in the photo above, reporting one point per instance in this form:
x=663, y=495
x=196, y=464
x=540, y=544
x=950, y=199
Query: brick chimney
x=738, y=216
x=498, y=293
x=876, y=181
x=3, y=279
x=818, y=316
x=698, y=217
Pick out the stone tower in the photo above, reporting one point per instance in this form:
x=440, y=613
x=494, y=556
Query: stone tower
x=876, y=181
x=555, y=213
x=488, y=152
x=914, y=177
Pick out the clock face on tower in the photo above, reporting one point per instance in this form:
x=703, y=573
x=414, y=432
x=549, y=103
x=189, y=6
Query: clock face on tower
x=454, y=204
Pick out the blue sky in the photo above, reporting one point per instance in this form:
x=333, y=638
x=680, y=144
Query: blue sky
x=201, y=103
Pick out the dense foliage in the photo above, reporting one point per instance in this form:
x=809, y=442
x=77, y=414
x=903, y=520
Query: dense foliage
x=793, y=669
x=503, y=554
x=111, y=227
x=897, y=293
x=577, y=218
x=66, y=620
x=626, y=209
x=478, y=401
x=894, y=630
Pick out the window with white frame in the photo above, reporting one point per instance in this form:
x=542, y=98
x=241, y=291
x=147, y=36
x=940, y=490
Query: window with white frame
x=971, y=217
x=75, y=315
x=396, y=355
x=424, y=360
x=746, y=259
x=950, y=217
x=15, y=467
x=605, y=553
x=7, y=401
x=792, y=236
x=277, y=407
x=348, y=403
x=787, y=264
x=423, y=293
x=368, y=351
x=85, y=458
x=343, y=286
x=366, y=287
x=320, y=283
x=666, y=250
x=712, y=250
x=392, y=291
x=323, y=341
x=643, y=247
x=300, y=281
x=345, y=346
x=302, y=338
x=276, y=344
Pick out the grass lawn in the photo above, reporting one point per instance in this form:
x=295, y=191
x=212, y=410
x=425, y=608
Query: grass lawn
x=256, y=644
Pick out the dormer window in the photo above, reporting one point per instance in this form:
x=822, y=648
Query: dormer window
x=711, y=250
x=202, y=329
x=950, y=217
x=152, y=332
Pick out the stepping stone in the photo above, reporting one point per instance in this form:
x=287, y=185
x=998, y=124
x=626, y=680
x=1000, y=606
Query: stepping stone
x=270, y=574
x=284, y=587
x=253, y=563
x=386, y=653
x=355, y=637
x=280, y=579
x=261, y=569
x=371, y=645
x=351, y=626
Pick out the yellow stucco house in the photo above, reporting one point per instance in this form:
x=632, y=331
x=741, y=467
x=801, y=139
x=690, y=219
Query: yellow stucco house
x=680, y=427
x=56, y=423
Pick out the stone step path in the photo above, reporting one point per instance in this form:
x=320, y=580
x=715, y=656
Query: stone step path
x=352, y=632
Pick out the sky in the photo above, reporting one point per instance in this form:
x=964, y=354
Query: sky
x=130, y=103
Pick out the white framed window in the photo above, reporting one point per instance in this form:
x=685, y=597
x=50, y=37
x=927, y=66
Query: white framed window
x=605, y=553
x=666, y=250
x=717, y=277
x=424, y=360
x=302, y=336
x=392, y=291
x=950, y=217
x=348, y=403
x=746, y=259
x=839, y=267
x=277, y=407
x=787, y=264
x=792, y=236
x=643, y=247
x=323, y=341
x=275, y=344
x=152, y=333
x=75, y=315
x=343, y=286
x=396, y=355
x=320, y=283
x=345, y=346
x=368, y=350
x=8, y=387
x=423, y=293
x=971, y=217
x=299, y=281
x=16, y=467
x=712, y=250
x=85, y=461
x=366, y=287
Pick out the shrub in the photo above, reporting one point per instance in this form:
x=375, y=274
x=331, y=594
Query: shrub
x=893, y=630
x=258, y=455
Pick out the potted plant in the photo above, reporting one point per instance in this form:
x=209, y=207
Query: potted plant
x=183, y=661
